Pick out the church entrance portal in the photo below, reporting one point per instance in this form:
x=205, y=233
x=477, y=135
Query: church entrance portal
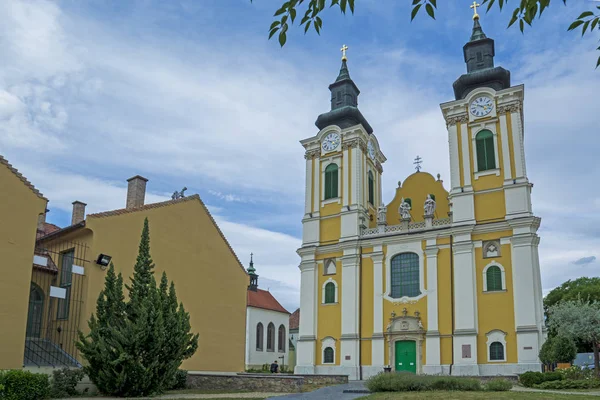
x=406, y=356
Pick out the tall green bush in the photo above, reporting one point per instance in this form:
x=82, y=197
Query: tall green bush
x=134, y=348
x=23, y=385
x=64, y=382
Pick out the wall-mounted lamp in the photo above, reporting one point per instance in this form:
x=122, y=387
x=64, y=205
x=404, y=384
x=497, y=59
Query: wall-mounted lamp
x=103, y=260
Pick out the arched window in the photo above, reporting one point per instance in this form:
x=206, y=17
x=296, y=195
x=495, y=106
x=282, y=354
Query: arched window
x=329, y=293
x=271, y=337
x=331, y=181
x=485, y=150
x=493, y=277
x=328, y=356
x=329, y=267
x=259, y=336
x=281, y=338
x=496, y=351
x=405, y=276
x=371, y=188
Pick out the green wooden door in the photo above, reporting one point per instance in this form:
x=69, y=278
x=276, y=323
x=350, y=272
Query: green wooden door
x=406, y=356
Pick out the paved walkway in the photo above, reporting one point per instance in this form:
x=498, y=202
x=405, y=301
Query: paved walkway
x=524, y=389
x=330, y=392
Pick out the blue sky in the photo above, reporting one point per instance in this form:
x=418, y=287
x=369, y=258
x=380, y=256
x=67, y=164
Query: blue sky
x=191, y=93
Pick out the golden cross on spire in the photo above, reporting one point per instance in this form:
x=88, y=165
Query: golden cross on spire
x=474, y=7
x=343, y=50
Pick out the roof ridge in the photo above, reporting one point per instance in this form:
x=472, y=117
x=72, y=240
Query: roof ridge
x=21, y=177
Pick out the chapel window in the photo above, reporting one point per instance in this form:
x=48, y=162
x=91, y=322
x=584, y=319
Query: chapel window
x=485, y=150
x=496, y=351
x=281, y=338
x=405, y=276
x=331, y=181
x=259, y=336
x=271, y=337
x=328, y=355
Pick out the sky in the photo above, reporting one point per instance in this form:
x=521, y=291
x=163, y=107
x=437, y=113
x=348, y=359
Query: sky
x=192, y=93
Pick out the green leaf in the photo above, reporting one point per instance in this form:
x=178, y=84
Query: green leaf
x=343, y=5
x=585, y=14
x=430, y=11
x=585, y=26
x=282, y=38
x=414, y=12
x=306, y=27
x=594, y=23
x=273, y=32
x=514, y=18
x=280, y=11
x=274, y=24
x=433, y=3
x=521, y=25
x=292, y=14
x=490, y=4
x=598, y=63
x=351, y=4
x=416, y=2
x=574, y=25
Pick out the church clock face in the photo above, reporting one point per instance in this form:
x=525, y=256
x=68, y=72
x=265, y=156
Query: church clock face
x=331, y=141
x=371, y=150
x=481, y=106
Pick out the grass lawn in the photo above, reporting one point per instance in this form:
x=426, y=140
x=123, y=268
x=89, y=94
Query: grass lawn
x=472, y=395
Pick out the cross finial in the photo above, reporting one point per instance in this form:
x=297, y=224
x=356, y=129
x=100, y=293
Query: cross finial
x=418, y=161
x=474, y=7
x=343, y=50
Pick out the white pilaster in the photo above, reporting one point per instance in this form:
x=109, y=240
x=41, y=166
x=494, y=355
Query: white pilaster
x=518, y=150
x=378, y=342
x=346, y=178
x=308, y=188
x=357, y=164
x=454, y=162
x=432, y=341
x=505, y=148
x=349, y=339
x=316, y=185
x=466, y=157
x=305, y=363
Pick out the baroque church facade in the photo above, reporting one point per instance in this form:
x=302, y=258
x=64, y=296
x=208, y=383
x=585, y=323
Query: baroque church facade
x=435, y=281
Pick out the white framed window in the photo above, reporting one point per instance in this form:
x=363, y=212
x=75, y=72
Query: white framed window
x=329, y=268
x=331, y=180
x=485, y=158
x=330, y=292
x=328, y=350
x=494, y=278
x=496, y=346
x=404, y=282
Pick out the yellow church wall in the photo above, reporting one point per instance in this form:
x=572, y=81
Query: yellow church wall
x=490, y=206
x=416, y=187
x=330, y=230
x=493, y=236
x=446, y=350
x=511, y=145
x=495, y=310
x=444, y=293
x=329, y=316
x=19, y=211
x=366, y=352
x=330, y=209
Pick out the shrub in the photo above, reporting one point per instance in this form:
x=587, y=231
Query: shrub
x=179, y=380
x=407, y=382
x=570, y=384
x=24, y=385
x=64, y=381
x=564, y=349
x=498, y=385
x=531, y=378
x=575, y=372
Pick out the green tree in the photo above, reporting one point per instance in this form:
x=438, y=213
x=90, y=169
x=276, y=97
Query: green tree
x=134, y=348
x=564, y=349
x=578, y=319
x=547, y=352
x=525, y=13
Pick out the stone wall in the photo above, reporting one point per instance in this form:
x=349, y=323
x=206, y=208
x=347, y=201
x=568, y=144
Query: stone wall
x=279, y=383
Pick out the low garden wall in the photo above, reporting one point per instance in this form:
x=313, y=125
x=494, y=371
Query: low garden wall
x=275, y=383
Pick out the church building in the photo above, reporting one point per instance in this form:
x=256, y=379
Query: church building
x=437, y=280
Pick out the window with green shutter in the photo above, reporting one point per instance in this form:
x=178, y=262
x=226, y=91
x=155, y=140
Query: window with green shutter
x=371, y=188
x=493, y=277
x=331, y=181
x=486, y=158
x=405, y=276
x=330, y=293
x=496, y=351
x=328, y=355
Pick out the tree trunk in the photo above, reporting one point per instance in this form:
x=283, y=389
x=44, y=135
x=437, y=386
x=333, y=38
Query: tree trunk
x=597, y=359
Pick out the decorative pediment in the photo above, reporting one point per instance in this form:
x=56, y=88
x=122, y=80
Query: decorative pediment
x=405, y=323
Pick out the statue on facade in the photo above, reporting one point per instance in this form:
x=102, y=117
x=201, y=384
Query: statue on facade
x=404, y=209
x=381, y=214
x=178, y=195
x=429, y=206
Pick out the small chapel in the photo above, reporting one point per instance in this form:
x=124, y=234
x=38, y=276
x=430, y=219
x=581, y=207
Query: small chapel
x=436, y=280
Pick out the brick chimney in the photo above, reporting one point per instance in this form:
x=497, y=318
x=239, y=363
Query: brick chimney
x=78, y=212
x=136, y=191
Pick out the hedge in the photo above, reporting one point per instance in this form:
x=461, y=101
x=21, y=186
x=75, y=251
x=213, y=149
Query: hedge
x=23, y=385
x=531, y=378
x=406, y=382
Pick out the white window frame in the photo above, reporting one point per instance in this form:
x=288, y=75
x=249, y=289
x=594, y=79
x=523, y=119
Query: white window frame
x=325, y=162
x=488, y=126
x=503, y=274
x=374, y=172
x=493, y=336
x=326, y=264
x=393, y=250
x=326, y=342
x=336, y=292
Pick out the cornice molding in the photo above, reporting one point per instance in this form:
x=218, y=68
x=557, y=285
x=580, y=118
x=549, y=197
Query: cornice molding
x=457, y=119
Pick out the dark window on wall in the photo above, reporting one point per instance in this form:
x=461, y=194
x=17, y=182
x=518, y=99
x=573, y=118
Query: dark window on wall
x=485, y=150
x=493, y=276
x=331, y=181
x=281, y=338
x=66, y=278
x=496, y=351
x=271, y=337
x=371, y=188
x=328, y=356
x=330, y=293
x=405, y=276
x=259, y=336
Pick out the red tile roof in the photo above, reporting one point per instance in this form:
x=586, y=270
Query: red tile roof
x=48, y=228
x=21, y=177
x=295, y=319
x=265, y=300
